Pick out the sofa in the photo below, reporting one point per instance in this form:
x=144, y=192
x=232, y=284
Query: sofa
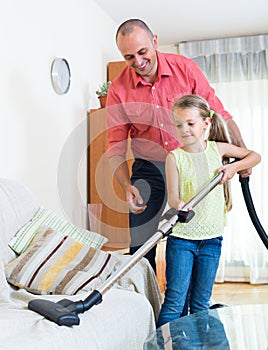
x=124, y=318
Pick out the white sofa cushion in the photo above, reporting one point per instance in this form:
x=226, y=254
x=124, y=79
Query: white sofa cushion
x=17, y=206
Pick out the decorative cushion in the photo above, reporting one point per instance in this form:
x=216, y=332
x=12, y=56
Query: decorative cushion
x=57, y=264
x=21, y=241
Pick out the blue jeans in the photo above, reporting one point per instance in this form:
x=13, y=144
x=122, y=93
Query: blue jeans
x=190, y=263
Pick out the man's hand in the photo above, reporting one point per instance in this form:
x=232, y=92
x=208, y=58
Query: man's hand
x=120, y=170
x=134, y=200
x=245, y=173
x=237, y=140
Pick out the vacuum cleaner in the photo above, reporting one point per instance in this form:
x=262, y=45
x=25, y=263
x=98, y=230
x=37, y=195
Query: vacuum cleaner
x=65, y=312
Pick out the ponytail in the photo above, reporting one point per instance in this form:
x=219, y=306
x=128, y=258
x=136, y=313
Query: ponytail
x=218, y=132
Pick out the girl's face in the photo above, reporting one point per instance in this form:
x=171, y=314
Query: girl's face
x=190, y=128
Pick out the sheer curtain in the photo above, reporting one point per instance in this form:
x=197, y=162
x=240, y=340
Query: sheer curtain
x=237, y=68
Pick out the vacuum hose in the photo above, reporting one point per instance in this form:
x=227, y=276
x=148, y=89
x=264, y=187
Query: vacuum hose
x=251, y=210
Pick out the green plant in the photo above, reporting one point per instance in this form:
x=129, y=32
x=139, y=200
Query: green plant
x=103, y=89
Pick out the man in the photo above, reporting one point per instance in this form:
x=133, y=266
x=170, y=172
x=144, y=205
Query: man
x=138, y=105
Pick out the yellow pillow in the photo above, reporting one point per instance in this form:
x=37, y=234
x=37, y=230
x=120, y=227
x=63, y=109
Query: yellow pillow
x=57, y=264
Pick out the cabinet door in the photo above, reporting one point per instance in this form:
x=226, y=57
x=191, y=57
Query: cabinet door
x=103, y=187
x=114, y=69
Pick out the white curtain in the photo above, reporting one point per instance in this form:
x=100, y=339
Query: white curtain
x=237, y=68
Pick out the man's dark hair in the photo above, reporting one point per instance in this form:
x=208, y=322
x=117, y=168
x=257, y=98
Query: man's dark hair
x=128, y=27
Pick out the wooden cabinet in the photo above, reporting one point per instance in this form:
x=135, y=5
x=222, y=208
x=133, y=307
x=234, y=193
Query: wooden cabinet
x=102, y=186
x=114, y=69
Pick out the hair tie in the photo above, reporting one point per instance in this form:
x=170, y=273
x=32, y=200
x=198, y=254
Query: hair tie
x=211, y=113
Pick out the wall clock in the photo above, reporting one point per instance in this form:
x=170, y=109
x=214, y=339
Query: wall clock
x=60, y=75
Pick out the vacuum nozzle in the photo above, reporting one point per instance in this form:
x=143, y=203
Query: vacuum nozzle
x=56, y=312
x=64, y=312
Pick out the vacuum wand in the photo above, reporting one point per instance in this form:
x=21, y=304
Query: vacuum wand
x=164, y=230
x=185, y=215
x=65, y=312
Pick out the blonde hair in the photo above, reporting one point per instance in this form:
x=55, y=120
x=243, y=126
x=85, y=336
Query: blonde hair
x=217, y=131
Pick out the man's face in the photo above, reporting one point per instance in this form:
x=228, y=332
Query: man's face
x=139, y=52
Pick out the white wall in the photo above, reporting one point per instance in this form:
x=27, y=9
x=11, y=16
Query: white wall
x=42, y=134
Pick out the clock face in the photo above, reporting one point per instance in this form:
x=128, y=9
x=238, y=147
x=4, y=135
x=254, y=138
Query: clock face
x=60, y=75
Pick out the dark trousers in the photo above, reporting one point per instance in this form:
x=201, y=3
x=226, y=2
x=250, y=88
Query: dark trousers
x=149, y=178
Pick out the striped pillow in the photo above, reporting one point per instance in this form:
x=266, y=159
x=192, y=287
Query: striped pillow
x=57, y=264
x=44, y=217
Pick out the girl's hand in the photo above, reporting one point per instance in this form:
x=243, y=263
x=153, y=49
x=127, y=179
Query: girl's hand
x=228, y=170
x=180, y=205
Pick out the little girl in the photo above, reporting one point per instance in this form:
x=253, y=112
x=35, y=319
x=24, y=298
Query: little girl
x=193, y=249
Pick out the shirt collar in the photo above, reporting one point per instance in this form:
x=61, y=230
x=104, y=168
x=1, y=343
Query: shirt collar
x=163, y=66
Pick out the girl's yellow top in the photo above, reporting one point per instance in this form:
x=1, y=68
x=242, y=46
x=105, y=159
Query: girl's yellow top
x=195, y=171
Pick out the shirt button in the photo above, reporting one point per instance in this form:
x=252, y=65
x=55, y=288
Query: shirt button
x=157, y=106
x=161, y=125
x=153, y=87
x=166, y=143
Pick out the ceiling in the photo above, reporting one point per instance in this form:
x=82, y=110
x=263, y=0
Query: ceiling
x=180, y=20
